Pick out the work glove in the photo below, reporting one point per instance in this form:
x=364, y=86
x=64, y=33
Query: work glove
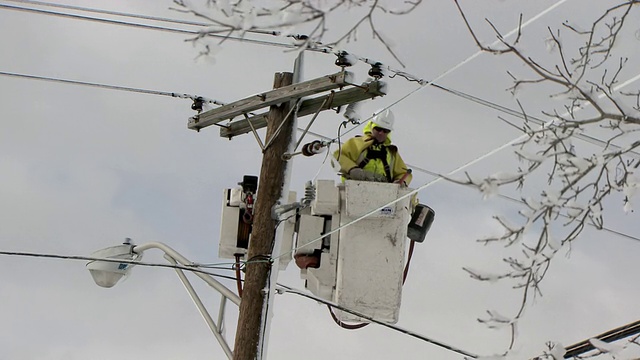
x=362, y=175
x=379, y=178
x=401, y=183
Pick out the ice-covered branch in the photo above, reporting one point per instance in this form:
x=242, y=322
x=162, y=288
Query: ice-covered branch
x=587, y=77
x=283, y=17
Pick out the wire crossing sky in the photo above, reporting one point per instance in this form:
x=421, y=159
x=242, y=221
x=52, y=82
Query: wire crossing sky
x=81, y=168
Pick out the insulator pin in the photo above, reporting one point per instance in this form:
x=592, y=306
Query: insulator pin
x=312, y=148
x=376, y=71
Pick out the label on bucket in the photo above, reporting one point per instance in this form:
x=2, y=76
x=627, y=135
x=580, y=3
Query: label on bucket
x=387, y=211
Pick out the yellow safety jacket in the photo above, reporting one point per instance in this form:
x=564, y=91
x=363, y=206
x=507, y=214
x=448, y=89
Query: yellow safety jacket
x=361, y=151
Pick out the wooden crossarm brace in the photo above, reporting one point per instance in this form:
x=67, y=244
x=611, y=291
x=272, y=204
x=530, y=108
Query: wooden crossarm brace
x=273, y=97
x=308, y=106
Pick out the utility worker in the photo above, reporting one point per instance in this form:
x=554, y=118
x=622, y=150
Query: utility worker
x=367, y=158
x=372, y=157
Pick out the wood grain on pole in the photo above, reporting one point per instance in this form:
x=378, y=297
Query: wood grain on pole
x=263, y=232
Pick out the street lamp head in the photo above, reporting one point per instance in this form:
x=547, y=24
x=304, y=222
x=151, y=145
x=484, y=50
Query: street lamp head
x=107, y=273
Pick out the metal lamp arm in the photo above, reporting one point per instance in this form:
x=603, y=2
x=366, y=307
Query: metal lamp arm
x=215, y=329
x=185, y=262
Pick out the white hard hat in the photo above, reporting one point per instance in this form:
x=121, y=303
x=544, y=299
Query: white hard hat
x=384, y=119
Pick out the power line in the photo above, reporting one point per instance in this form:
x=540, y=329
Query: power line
x=533, y=119
x=423, y=83
x=461, y=94
x=143, y=26
x=609, y=336
x=197, y=97
x=312, y=46
x=476, y=54
x=291, y=290
x=587, y=138
x=614, y=232
x=110, y=87
x=131, y=15
x=109, y=12
x=194, y=268
x=94, y=19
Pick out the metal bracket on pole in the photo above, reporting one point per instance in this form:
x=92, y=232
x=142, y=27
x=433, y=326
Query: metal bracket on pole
x=255, y=133
x=286, y=118
x=306, y=129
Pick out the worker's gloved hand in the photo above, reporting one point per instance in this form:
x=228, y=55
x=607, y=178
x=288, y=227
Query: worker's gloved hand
x=380, y=178
x=401, y=183
x=362, y=175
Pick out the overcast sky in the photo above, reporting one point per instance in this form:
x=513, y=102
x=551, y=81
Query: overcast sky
x=81, y=168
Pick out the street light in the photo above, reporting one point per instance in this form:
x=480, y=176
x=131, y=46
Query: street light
x=108, y=273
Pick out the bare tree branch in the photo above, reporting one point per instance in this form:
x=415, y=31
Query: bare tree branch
x=243, y=17
x=578, y=183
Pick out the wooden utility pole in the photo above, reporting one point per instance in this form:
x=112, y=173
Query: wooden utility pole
x=264, y=227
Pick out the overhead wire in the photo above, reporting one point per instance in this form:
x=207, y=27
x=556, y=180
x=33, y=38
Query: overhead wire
x=110, y=87
x=603, y=228
x=310, y=46
x=109, y=12
x=461, y=94
x=424, y=84
x=519, y=114
x=144, y=26
x=194, y=268
x=95, y=19
x=131, y=15
x=572, y=351
x=534, y=119
x=287, y=289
